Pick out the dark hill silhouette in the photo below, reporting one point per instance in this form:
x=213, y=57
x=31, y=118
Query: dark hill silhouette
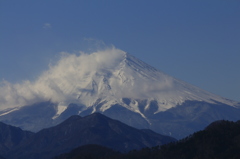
x=11, y=137
x=219, y=140
x=77, y=131
x=90, y=151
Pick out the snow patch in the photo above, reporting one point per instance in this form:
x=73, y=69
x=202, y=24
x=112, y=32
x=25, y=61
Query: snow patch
x=60, y=109
x=9, y=111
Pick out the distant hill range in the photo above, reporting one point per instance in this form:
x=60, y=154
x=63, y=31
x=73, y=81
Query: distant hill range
x=73, y=132
x=220, y=140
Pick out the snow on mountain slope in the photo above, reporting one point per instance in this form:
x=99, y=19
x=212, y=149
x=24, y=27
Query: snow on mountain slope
x=117, y=85
x=106, y=76
x=134, y=79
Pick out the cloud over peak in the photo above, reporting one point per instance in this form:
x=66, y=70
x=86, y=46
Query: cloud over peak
x=59, y=82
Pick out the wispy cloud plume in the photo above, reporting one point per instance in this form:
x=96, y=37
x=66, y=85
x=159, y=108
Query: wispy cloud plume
x=62, y=81
x=83, y=78
x=47, y=26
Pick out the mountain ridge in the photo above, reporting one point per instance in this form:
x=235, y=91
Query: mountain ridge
x=220, y=140
x=114, y=81
x=77, y=131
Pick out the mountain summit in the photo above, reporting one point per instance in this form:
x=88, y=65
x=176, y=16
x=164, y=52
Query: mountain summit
x=122, y=87
x=131, y=78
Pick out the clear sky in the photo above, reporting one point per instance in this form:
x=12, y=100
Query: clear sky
x=195, y=41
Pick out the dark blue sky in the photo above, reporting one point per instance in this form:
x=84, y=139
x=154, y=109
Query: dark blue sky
x=195, y=41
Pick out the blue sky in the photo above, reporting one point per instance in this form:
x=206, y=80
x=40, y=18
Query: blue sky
x=195, y=41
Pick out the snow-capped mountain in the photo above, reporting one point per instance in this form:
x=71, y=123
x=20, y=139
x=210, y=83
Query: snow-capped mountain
x=123, y=87
x=132, y=78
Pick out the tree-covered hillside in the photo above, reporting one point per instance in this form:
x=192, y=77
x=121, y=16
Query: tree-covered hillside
x=220, y=140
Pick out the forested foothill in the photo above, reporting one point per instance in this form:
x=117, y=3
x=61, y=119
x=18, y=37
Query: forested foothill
x=219, y=140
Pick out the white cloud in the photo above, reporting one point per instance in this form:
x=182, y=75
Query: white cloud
x=72, y=77
x=61, y=81
x=47, y=26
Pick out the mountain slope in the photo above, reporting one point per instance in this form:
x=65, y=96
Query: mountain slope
x=90, y=151
x=92, y=129
x=11, y=137
x=32, y=117
x=122, y=87
x=219, y=140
